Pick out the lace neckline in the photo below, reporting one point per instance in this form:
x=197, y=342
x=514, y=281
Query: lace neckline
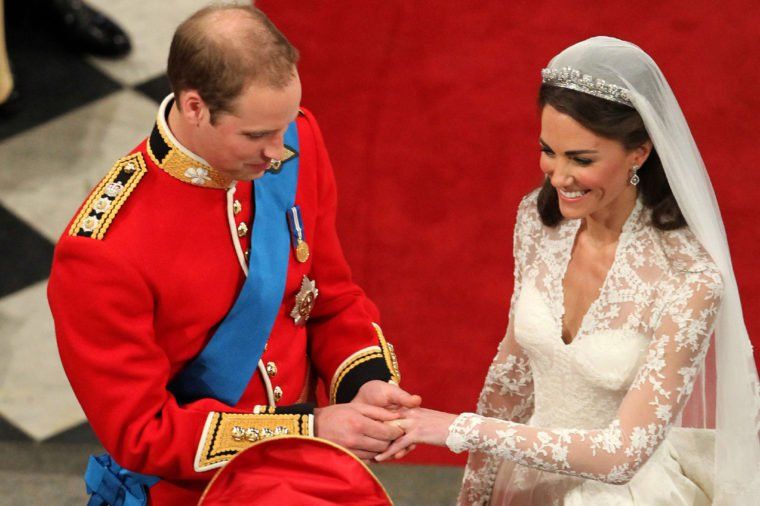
x=568, y=233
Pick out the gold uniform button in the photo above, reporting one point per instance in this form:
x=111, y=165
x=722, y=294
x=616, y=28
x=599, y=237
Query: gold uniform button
x=271, y=369
x=237, y=207
x=277, y=393
x=247, y=255
x=242, y=230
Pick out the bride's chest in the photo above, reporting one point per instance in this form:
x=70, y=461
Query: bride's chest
x=607, y=352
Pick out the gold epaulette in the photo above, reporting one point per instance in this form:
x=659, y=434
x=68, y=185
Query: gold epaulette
x=226, y=434
x=106, y=199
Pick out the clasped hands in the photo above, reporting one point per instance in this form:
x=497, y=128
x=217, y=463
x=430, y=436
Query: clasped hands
x=382, y=421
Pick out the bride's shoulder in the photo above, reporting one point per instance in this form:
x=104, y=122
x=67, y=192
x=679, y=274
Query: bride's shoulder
x=528, y=208
x=685, y=254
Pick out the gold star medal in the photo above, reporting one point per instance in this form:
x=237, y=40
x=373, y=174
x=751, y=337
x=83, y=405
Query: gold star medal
x=298, y=239
x=304, y=301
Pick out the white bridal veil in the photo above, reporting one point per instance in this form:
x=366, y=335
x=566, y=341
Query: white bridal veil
x=732, y=375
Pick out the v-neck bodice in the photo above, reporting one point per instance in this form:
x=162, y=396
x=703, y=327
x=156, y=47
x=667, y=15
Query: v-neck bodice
x=567, y=243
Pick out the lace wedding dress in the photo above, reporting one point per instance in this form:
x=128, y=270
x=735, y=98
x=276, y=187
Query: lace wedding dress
x=587, y=423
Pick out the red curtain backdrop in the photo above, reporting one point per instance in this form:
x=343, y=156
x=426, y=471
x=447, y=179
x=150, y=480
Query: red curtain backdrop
x=428, y=110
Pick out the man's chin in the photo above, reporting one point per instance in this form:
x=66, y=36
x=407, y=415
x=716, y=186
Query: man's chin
x=253, y=171
x=249, y=174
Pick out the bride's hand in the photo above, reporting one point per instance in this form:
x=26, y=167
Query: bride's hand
x=420, y=426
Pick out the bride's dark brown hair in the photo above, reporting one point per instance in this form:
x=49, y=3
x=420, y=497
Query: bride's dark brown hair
x=620, y=123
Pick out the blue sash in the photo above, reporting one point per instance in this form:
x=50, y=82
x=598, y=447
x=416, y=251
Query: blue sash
x=225, y=366
x=109, y=484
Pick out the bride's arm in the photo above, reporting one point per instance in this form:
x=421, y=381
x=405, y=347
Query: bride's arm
x=507, y=395
x=508, y=390
x=612, y=454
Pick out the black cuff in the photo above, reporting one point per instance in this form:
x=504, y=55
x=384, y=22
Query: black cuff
x=358, y=375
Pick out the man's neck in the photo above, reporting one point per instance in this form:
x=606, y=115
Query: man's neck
x=180, y=128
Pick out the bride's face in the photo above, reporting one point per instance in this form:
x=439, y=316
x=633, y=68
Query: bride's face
x=591, y=173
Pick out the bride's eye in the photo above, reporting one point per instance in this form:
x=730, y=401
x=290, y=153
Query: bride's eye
x=583, y=161
x=546, y=150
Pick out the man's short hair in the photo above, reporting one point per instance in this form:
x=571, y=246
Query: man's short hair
x=220, y=64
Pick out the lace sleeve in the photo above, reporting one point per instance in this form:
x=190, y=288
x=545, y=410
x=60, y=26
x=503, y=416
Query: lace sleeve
x=663, y=384
x=507, y=393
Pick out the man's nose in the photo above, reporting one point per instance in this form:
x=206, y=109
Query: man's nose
x=275, y=148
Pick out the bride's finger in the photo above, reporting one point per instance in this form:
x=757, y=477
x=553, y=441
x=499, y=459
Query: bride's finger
x=406, y=451
x=395, y=447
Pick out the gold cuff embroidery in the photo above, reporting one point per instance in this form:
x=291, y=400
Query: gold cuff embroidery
x=350, y=364
x=389, y=354
x=226, y=434
x=106, y=199
x=382, y=352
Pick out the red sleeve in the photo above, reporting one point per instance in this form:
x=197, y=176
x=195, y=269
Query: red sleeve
x=343, y=327
x=103, y=312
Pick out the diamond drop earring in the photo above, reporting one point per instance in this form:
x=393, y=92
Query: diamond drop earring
x=634, y=177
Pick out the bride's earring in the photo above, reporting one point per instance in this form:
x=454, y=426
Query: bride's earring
x=635, y=177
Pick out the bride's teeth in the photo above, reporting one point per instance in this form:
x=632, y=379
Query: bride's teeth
x=572, y=195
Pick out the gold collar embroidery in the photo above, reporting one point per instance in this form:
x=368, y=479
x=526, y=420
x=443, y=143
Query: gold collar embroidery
x=178, y=161
x=181, y=163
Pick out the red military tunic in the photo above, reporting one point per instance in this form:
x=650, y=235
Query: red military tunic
x=150, y=266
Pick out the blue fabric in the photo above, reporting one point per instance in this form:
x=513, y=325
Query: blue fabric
x=225, y=366
x=109, y=484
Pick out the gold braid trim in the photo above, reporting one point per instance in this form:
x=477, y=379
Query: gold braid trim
x=389, y=354
x=317, y=440
x=109, y=195
x=383, y=352
x=226, y=434
x=353, y=361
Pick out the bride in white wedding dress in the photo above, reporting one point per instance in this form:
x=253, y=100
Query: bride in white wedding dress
x=622, y=272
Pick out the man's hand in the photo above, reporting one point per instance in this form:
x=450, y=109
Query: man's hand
x=358, y=427
x=386, y=395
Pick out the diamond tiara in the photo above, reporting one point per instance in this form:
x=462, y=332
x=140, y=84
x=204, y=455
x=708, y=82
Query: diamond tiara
x=573, y=79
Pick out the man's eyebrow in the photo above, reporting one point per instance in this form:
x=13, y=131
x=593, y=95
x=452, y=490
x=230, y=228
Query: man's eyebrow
x=257, y=132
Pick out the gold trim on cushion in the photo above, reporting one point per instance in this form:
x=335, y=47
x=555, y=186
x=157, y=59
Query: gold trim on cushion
x=106, y=199
x=321, y=440
x=226, y=434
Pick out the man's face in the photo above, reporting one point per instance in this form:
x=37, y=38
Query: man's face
x=241, y=144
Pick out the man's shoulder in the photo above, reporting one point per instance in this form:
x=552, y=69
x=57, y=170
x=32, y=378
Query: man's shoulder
x=307, y=122
x=98, y=212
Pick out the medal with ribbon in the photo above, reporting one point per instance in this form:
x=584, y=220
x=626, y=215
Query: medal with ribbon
x=297, y=237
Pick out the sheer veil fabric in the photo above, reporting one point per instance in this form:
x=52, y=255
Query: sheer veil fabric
x=732, y=374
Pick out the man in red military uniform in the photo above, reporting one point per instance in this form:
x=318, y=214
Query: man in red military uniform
x=201, y=287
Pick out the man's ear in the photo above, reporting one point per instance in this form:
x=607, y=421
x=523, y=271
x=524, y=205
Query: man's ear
x=192, y=107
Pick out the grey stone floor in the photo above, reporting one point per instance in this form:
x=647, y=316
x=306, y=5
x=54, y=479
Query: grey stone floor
x=51, y=474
